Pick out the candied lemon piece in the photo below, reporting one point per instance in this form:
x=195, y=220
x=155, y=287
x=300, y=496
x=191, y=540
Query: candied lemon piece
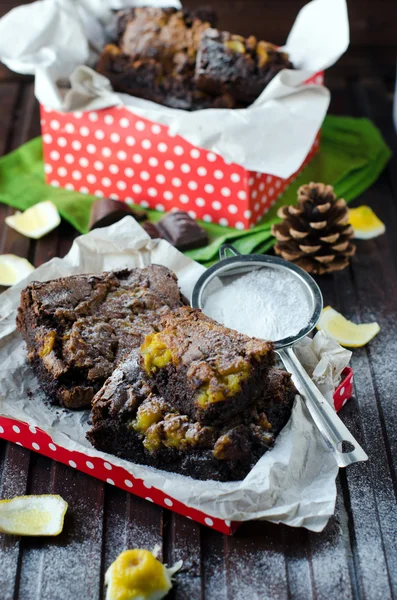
x=48, y=345
x=138, y=575
x=36, y=221
x=13, y=269
x=365, y=223
x=235, y=46
x=152, y=441
x=345, y=332
x=227, y=384
x=147, y=415
x=33, y=515
x=156, y=354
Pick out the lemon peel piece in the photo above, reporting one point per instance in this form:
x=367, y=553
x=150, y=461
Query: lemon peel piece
x=138, y=575
x=33, y=515
x=365, y=223
x=346, y=332
x=13, y=268
x=36, y=221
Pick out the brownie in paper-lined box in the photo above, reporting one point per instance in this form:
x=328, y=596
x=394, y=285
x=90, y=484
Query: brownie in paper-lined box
x=165, y=108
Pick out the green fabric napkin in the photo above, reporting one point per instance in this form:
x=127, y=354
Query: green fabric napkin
x=351, y=157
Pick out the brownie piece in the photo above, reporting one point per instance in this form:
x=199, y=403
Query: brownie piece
x=152, y=230
x=78, y=328
x=131, y=420
x=156, y=55
x=207, y=371
x=146, y=78
x=232, y=64
x=147, y=21
x=168, y=35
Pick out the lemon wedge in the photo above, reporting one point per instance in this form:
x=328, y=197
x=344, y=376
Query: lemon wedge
x=138, y=575
x=13, y=269
x=36, y=221
x=365, y=223
x=345, y=332
x=33, y=515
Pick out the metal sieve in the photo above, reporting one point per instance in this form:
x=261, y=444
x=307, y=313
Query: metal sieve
x=337, y=437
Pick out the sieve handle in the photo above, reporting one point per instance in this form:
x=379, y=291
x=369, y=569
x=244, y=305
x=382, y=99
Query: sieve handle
x=337, y=437
x=225, y=248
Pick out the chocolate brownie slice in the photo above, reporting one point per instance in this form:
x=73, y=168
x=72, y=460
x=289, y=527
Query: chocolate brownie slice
x=155, y=57
x=78, y=328
x=207, y=371
x=232, y=64
x=131, y=420
x=146, y=78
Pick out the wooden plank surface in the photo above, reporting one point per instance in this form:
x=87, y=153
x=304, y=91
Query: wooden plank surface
x=356, y=555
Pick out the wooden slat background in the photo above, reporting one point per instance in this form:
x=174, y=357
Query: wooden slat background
x=356, y=555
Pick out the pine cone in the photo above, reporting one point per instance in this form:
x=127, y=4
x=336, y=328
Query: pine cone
x=315, y=234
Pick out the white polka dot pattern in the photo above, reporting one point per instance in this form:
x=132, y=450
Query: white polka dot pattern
x=113, y=153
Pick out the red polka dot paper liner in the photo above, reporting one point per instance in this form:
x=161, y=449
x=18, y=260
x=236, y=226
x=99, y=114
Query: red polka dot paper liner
x=116, y=154
x=36, y=439
x=345, y=390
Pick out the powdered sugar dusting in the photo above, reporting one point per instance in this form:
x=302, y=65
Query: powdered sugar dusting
x=265, y=303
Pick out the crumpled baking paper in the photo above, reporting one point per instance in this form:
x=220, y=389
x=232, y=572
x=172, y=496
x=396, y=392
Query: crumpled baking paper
x=54, y=38
x=324, y=360
x=294, y=483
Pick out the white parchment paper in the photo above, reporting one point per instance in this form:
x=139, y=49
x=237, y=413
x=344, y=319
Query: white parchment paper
x=324, y=360
x=294, y=483
x=54, y=38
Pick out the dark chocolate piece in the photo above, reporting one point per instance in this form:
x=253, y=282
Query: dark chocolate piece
x=183, y=232
x=152, y=230
x=105, y=212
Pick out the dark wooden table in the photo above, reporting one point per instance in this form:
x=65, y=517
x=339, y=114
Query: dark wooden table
x=354, y=557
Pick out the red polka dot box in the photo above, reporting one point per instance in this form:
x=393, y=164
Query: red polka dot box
x=114, y=153
x=38, y=440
